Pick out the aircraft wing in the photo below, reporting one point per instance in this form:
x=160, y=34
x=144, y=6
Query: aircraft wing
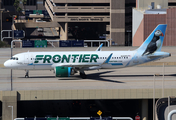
x=80, y=65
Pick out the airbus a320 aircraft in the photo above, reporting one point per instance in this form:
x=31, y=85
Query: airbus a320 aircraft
x=69, y=63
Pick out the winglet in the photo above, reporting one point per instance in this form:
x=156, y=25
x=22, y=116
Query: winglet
x=99, y=48
x=107, y=60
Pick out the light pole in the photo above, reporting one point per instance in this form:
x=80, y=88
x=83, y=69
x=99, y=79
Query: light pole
x=154, y=97
x=1, y=18
x=163, y=81
x=12, y=111
x=1, y=25
x=13, y=25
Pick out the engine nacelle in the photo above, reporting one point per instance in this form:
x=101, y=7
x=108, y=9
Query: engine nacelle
x=63, y=71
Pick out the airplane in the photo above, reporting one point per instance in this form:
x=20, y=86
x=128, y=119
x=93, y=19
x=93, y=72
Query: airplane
x=67, y=63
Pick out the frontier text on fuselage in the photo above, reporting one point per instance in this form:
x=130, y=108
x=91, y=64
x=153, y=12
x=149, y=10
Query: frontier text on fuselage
x=83, y=58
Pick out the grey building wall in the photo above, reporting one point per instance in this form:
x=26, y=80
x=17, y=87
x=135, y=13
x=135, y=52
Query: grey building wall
x=40, y=5
x=117, y=22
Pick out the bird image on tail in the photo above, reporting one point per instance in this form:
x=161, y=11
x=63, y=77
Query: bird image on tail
x=154, y=44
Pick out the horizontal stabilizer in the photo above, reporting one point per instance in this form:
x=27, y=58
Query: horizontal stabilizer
x=158, y=55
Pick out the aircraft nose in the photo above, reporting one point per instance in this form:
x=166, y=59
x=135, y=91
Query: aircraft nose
x=6, y=64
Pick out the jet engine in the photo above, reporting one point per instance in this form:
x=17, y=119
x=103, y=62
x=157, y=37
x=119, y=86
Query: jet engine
x=64, y=71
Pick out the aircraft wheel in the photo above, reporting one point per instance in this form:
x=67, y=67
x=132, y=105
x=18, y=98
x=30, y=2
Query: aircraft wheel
x=26, y=76
x=83, y=75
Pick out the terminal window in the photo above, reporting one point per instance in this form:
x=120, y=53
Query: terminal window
x=31, y=2
x=8, y=2
x=86, y=31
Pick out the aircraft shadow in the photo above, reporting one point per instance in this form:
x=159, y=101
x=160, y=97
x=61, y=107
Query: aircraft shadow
x=94, y=76
x=136, y=75
x=171, y=75
x=100, y=76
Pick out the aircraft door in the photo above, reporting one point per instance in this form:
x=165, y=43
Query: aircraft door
x=26, y=59
x=31, y=61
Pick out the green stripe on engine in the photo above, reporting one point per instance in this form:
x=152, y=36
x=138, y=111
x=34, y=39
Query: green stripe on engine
x=62, y=72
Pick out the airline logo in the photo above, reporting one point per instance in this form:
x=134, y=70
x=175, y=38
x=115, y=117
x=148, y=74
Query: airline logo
x=81, y=58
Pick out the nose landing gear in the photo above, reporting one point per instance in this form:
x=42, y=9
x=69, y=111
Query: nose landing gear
x=27, y=74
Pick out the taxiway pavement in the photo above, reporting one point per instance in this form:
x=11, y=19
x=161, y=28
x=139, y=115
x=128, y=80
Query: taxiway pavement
x=138, y=77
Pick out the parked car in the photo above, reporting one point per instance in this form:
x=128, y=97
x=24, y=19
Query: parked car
x=39, y=20
x=40, y=29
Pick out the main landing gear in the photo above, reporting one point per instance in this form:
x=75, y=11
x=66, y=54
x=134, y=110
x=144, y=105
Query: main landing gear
x=83, y=75
x=27, y=74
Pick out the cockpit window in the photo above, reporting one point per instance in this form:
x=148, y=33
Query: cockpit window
x=14, y=58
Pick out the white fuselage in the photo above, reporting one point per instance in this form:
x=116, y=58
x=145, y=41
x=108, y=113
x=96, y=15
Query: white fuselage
x=46, y=60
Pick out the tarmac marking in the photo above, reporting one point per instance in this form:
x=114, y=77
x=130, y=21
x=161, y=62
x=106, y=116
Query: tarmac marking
x=159, y=64
x=90, y=81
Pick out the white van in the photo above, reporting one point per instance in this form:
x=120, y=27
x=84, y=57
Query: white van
x=19, y=119
x=40, y=29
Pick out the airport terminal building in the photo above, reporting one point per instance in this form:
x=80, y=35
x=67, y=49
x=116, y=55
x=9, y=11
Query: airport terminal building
x=124, y=92
x=93, y=19
x=85, y=20
x=148, y=14
x=124, y=22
